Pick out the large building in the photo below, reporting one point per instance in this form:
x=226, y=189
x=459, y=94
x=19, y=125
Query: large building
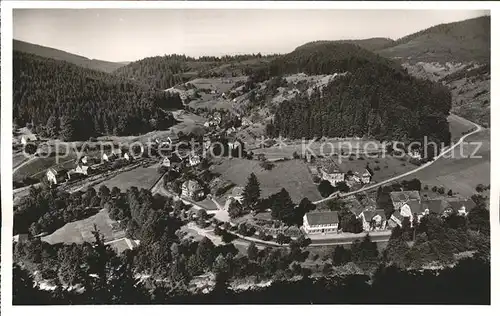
x=193, y=190
x=320, y=222
x=56, y=175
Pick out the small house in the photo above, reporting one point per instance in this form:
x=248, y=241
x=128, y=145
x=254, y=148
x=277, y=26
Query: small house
x=20, y=238
x=193, y=190
x=25, y=139
x=399, y=198
x=194, y=160
x=373, y=219
x=109, y=157
x=415, y=154
x=166, y=162
x=461, y=206
x=83, y=169
x=56, y=175
x=320, y=222
x=366, y=176
x=127, y=157
x=84, y=160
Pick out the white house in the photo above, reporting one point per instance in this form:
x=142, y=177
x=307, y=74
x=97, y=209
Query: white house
x=166, y=162
x=28, y=139
x=83, y=169
x=193, y=190
x=415, y=154
x=399, y=198
x=332, y=173
x=320, y=222
x=194, y=160
x=84, y=160
x=109, y=157
x=127, y=157
x=56, y=175
x=373, y=219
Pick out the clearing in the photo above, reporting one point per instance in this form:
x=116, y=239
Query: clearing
x=140, y=177
x=81, y=231
x=293, y=175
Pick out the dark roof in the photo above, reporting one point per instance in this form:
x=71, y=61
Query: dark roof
x=57, y=169
x=415, y=206
x=322, y=218
x=457, y=204
x=404, y=196
x=436, y=206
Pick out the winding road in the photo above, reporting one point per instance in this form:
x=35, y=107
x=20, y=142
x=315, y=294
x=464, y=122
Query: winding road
x=376, y=185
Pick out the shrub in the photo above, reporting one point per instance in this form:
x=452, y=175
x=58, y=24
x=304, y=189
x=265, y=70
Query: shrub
x=376, y=168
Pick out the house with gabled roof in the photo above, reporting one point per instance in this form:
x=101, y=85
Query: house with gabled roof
x=419, y=209
x=320, y=222
x=399, y=198
x=331, y=172
x=373, y=219
x=28, y=138
x=192, y=189
x=461, y=206
x=56, y=174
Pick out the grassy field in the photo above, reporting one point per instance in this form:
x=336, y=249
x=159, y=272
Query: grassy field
x=293, y=175
x=139, y=177
x=461, y=173
x=37, y=167
x=81, y=231
x=18, y=158
x=459, y=126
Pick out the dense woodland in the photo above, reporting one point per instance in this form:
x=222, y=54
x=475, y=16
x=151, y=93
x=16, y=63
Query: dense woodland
x=74, y=103
x=375, y=98
x=163, y=72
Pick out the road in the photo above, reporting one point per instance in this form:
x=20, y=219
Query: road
x=23, y=163
x=376, y=185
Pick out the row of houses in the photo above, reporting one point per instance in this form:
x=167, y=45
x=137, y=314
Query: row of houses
x=328, y=170
x=327, y=222
x=85, y=166
x=407, y=204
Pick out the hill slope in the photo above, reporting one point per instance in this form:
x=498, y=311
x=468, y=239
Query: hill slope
x=371, y=96
x=75, y=103
x=57, y=54
x=457, y=55
x=372, y=44
x=463, y=41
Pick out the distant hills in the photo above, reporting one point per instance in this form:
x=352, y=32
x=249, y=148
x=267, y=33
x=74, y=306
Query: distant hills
x=373, y=44
x=57, y=54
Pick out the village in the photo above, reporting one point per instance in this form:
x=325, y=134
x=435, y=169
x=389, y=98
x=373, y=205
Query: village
x=191, y=172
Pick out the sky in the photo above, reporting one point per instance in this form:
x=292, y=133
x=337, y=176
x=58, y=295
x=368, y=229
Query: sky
x=131, y=34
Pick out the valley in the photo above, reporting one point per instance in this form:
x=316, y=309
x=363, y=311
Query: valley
x=194, y=173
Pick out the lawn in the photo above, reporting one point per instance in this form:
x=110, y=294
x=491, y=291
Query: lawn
x=293, y=175
x=81, y=231
x=141, y=177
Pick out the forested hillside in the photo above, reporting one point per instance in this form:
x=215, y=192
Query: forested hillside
x=372, y=44
x=163, y=72
x=375, y=98
x=53, y=53
x=462, y=41
x=75, y=103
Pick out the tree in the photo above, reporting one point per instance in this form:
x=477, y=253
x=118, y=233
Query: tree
x=252, y=252
x=304, y=207
x=52, y=127
x=342, y=186
x=251, y=192
x=450, y=192
x=350, y=223
x=282, y=206
x=282, y=239
x=325, y=188
x=365, y=251
x=30, y=148
x=68, y=128
x=441, y=190
x=341, y=256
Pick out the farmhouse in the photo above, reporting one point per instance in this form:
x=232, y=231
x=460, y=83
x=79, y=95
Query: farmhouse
x=194, y=160
x=56, y=175
x=461, y=206
x=373, y=219
x=320, y=222
x=28, y=139
x=84, y=160
x=332, y=173
x=399, y=198
x=237, y=194
x=83, y=169
x=109, y=157
x=193, y=190
x=410, y=209
x=127, y=157
x=166, y=162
